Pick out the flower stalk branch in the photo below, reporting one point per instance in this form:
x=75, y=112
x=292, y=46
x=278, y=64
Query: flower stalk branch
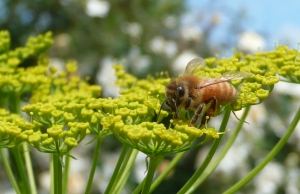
x=268, y=158
x=210, y=154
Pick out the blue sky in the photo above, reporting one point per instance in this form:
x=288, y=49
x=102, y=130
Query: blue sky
x=278, y=20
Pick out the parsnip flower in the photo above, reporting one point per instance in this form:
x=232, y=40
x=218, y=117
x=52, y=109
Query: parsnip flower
x=156, y=140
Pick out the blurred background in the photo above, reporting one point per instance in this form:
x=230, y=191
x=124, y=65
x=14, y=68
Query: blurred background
x=153, y=36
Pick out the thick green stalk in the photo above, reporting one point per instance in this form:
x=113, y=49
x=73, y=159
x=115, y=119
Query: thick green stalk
x=9, y=172
x=94, y=164
x=268, y=158
x=51, y=169
x=66, y=173
x=150, y=174
x=14, y=103
x=217, y=161
x=117, y=169
x=29, y=168
x=15, y=107
x=124, y=171
x=210, y=154
x=57, y=173
x=21, y=169
x=165, y=173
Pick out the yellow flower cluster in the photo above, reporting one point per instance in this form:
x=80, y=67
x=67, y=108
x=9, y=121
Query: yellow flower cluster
x=59, y=138
x=14, y=79
x=64, y=108
x=267, y=69
x=155, y=139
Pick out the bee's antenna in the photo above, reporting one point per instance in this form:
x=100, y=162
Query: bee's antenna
x=238, y=118
x=176, y=109
x=160, y=109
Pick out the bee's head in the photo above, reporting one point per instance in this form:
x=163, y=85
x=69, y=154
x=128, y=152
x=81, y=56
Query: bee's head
x=174, y=97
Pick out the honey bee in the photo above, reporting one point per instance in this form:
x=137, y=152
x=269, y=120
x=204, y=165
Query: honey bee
x=203, y=95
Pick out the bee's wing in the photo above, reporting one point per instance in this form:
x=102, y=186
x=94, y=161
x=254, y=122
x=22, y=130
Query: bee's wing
x=193, y=65
x=229, y=76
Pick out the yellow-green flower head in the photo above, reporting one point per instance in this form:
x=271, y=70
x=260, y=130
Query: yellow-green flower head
x=71, y=143
x=35, y=139
x=55, y=131
x=48, y=142
x=110, y=121
x=4, y=41
x=107, y=106
x=23, y=124
x=124, y=80
x=80, y=130
x=32, y=108
x=6, y=116
x=154, y=139
x=71, y=67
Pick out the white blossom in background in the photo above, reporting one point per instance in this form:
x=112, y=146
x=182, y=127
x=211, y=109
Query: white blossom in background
x=251, y=42
x=140, y=167
x=236, y=158
x=270, y=178
x=171, y=48
x=138, y=63
x=133, y=29
x=170, y=21
x=180, y=62
x=78, y=168
x=62, y=40
x=285, y=88
x=159, y=45
x=96, y=8
x=62, y=43
x=292, y=162
x=191, y=33
x=106, y=78
x=44, y=179
x=104, y=174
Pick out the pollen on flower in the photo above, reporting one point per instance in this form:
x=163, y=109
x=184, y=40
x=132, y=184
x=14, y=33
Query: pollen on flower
x=71, y=142
x=48, y=141
x=271, y=80
x=55, y=130
x=262, y=94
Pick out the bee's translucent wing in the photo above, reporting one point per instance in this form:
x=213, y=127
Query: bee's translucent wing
x=229, y=76
x=193, y=65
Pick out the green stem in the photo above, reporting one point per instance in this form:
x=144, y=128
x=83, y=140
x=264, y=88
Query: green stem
x=21, y=169
x=150, y=174
x=210, y=154
x=141, y=185
x=217, y=161
x=268, y=158
x=94, y=164
x=117, y=169
x=9, y=171
x=57, y=173
x=66, y=173
x=14, y=103
x=29, y=168
x=124, y=171
x=30, y=187
x=165, y=173
x=51, y=169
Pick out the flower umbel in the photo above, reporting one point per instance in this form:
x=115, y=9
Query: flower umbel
x=156, y=140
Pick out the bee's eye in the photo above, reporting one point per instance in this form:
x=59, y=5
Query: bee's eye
x=180, y=91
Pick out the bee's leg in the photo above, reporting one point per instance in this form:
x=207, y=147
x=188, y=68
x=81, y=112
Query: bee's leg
x=210, y=111
x=196, y=115
x=208, y=108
